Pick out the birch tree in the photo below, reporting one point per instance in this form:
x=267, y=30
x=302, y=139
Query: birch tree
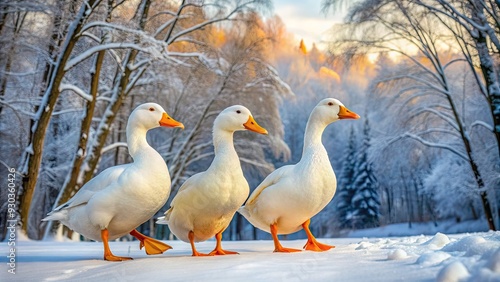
x=480, y=21
x=390, y=25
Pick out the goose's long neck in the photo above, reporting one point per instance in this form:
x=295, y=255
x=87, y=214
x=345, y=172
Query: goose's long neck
x=138, y=146
x=223, y=142
x=312, y=136
x=225, y=154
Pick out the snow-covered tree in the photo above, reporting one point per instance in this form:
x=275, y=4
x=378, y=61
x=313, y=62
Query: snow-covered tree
x=93, y=61
x=365, y=202
x=345, y=185
x=429, y=89
x=475, y=25
x=442, y=182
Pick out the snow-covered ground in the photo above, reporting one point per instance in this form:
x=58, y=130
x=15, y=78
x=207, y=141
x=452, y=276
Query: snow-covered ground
x=460, y=257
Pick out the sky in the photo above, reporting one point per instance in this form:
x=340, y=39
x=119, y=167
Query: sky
x=305, y=20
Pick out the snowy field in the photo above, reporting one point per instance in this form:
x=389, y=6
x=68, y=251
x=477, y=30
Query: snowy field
x=460, y=257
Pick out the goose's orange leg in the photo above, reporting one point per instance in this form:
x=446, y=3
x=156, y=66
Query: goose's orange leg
x=191, y=240
x=277, y=245
x=312, y=244
x=218, y=247
x=107, y=252
x=153, y=247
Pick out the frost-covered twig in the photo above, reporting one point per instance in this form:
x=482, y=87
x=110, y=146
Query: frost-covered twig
x=77, y=90
x=114, y=146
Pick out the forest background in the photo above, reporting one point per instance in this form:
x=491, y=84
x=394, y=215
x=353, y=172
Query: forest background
x=423, y=75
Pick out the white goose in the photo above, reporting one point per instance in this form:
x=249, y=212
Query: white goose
x=207, y=201
x=288, y=197
x=121, y=198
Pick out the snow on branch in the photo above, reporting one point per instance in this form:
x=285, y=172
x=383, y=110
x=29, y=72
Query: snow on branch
x=454, y=61
x=78, y=59
x=168, y=23
x=440, y=114
x=134, y=80
x=98, y=40
x=134, y=66
x=439, y=130
x=166, y=12
x=441, y=106
x=416, y=78
x=210, y=63
x=15, y=110
x=77, y=90
x=28, y=73
x=430, y=144
x=67, y=111
x=33, y=100
x=111, y=26
x=179, y=62
x=413, y=96
x=193, y=41
x=483, y=124
x=455, y=14
x=113, y=146
x=209, y=22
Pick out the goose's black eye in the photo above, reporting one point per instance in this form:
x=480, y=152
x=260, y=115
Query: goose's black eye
x=151, y=109
x=330, y=103
x=238, y=112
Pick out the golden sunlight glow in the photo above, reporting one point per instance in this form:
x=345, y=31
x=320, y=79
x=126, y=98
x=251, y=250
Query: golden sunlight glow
x=373, y=57
x=219, y=37
x=325, y=72
x=302, y=47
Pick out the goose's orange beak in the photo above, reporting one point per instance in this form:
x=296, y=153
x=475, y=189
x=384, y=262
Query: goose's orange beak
x=345, y=113
x=167, y=121
x=252, y=125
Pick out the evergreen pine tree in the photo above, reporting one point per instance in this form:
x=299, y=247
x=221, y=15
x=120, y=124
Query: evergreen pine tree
x=345, y=184
x=366, y=201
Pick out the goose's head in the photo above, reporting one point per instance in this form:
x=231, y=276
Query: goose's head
x=330, y=110
x=151, y=115
x=236, y=118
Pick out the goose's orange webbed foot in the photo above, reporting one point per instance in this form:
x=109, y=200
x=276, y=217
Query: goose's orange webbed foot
x=108, y=255
x=277, y=245
x=312, y=244
x=153, y=247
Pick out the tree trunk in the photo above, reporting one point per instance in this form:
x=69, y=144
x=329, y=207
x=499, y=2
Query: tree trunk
x=408, y=201
x=477, y=175
x=68, y=189
x=33, y=153
x=120, y=90
x=492, y=84
x=491, y=80
x=493, y=87
x=84, y=132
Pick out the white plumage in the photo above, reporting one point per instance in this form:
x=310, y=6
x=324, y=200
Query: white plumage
x=121, y=198
x=207, y=201
x=288, y=197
